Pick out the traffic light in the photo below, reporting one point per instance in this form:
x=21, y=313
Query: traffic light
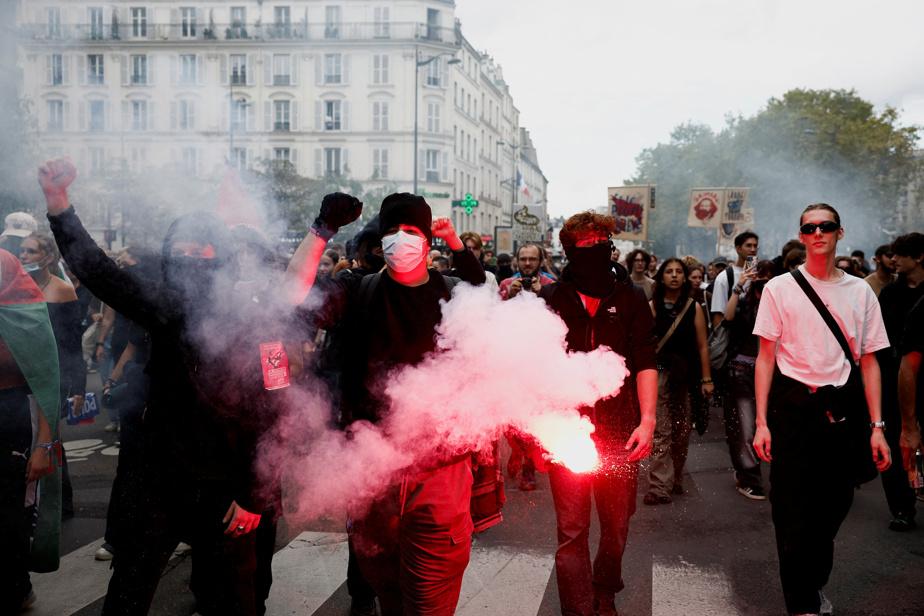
x=110, y=236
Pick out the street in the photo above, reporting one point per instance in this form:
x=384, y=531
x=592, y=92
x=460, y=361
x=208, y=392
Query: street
x=710, y=552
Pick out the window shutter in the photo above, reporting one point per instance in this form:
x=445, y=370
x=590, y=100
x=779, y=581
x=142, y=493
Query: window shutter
x=67, y=115
x=66, y=69
x=126, y=114
x=173, y=115
x=294, y=116
x=48, y=72
x=200, y=21
x=174, y=69
x=444, y=174
x=252, y=117
x=345, y=69
x=224, y=117
x=386, y=77
x=319, y=115
x=152, y=67
x=268, y=116
x=344, y=161
x=318, y=162
x=421, y=164
x=108, y=160
x=200, y=162
x=123, y=61
x=293, y=154
x=444, y=73
x=191, y=115
x=81, y=69
x=200, y=69
x=176, y=25
x=318, y=70
x=223, y=70
x=249, y=160
x=149, y=16
x=293, y=69
x=267, y=69
x=250, y=68
x=152, y=117
x=107, y=117
x=345, y=115
x=81, y=116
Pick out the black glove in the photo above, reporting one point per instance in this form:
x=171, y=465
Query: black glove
x=337, y=210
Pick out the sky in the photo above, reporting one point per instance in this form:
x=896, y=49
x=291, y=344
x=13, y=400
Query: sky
x=597, y=85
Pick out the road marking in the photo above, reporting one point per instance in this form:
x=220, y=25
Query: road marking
x=502, y=577
x=307, y=572
x=79, y=581
x=678, y=587
x=77, y=451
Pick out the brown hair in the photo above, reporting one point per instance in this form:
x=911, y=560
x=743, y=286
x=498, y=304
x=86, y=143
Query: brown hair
x=47, y=244
x=584, y=223
x=821, y=206
x=471, y=235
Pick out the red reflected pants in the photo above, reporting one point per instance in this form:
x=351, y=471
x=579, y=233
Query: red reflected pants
x=415, y=559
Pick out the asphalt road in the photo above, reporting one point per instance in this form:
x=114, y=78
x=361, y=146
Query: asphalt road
x=709, y=552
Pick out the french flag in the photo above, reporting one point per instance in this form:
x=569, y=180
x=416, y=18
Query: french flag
x=521, y=185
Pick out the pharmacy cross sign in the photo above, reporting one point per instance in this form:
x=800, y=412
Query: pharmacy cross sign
x=468, y=203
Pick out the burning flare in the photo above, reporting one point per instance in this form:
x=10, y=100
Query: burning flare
x=567, y=439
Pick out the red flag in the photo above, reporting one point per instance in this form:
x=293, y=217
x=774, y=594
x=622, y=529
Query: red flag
x=234, y=206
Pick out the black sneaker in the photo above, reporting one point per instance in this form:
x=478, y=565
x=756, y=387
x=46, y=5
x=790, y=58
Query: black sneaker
x=753, y=493
x=902, y=523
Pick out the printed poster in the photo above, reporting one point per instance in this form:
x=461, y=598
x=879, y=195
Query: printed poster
x=736, y=207
x=527, y=223
x=706, y=207
x=629, y=205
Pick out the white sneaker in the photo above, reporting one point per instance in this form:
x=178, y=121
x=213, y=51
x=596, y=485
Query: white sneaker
x=182, y=548
x=112, y=427
x=826, y=609
x=103, y=554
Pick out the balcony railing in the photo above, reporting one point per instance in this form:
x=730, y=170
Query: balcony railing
x=356, y=31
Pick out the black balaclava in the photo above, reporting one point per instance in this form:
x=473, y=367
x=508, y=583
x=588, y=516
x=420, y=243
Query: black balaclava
x=370, y=236
x=590, y=269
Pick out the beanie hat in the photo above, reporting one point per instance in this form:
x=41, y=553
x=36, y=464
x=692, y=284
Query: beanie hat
x=406, y=209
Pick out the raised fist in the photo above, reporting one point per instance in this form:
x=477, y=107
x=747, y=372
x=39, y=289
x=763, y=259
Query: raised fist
x=337, y=210
x=55, y=175
x=443, y=228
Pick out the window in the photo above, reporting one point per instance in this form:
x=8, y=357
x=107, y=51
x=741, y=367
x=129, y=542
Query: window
x=379, y=164
x=239, y=158
x=97, y=116
x=239, y=116
x=381, y=28
x=188, y=69
x=379, y=69
x=331, y=22
x=57, y=69
x=332, y=161
x=97, y=161
x=139, y=156
x=186, y=115
x=333, y=68
x=380, y=116
x=239, y=69
x=95, y=69
x=139, y=22
x=433, y=117
x=139, y=115
x=332, y=118
x=283, y=22
x=433, y=73
x=139, y=70
x=55, y=115
x=189, y=160
x=54, y=22
x=95, y=15
x=455, y=137
x=238, y=21
x=188, y=17
x=433, y=166
x=281, y=155
x=281, y=115
x=433, y=25
x=281, y=69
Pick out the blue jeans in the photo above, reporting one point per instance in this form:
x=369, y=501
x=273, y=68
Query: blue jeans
x=740, y=425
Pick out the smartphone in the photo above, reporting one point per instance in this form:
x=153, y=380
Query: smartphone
x=750, y=262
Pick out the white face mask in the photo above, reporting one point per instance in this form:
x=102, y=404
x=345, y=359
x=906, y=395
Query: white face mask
x=403, y=251
x=33, y=268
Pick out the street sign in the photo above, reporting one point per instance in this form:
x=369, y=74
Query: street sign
x=468, y=203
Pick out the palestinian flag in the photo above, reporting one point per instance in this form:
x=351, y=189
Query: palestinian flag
x=26, y=331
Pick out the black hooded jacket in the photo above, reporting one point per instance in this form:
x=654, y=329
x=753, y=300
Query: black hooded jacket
x=207, y=407
x=623, y=323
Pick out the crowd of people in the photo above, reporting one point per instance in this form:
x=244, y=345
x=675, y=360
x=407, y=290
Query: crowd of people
x=201, y=346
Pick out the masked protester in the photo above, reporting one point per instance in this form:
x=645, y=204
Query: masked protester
x=414, y=544
x=211, y=400
x=28, y=393
x=602, y=307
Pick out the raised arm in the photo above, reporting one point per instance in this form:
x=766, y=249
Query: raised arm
x=337, y=210
x=463, y=259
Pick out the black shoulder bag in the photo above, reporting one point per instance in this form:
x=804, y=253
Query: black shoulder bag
x=848, y=402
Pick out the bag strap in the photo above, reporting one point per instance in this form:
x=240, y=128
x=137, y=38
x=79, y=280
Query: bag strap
x=674, y=326
x=367, y=287
x=730, y=274
x=825, y=314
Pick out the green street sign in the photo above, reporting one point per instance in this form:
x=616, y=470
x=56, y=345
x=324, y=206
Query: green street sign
x=468, y=203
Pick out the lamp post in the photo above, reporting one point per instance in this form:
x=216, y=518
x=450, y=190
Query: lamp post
x=417, y=64
x=513, y=178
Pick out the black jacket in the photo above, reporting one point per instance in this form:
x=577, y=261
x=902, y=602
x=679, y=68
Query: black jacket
x=623, y=323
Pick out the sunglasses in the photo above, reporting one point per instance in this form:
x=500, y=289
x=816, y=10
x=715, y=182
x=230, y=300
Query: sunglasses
x=829, y=226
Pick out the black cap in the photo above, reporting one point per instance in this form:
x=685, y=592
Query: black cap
x=406, y=209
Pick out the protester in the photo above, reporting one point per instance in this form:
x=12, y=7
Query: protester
x=653, y=266
x=425, y=516
x=548, y=265
x=473, y=242
x=680, y=325
x=441, y=264
x=209, y=405
x=745, y=246
x=595, y=296
x=896, y=301
x=794, y=258
x=638, y=261
x=885, y=270
x=911, y=400
x=504, y=266
x=779, y=261
x=816, y=460
x=859, y=259
x=326, y=266
x=28, y=471
x=847, y=264
x=530, y=276
x=16, y=227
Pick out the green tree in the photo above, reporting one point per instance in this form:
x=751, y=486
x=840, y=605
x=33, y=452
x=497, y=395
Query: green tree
x=808, y=146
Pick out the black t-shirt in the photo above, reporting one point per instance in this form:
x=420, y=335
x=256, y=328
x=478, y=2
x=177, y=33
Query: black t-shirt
x=896, y=300
x=912, y=340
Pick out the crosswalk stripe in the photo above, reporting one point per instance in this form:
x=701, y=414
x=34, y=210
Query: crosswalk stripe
x=306, y=572
x=501, y=577
x=679, y=587
x=80, y=580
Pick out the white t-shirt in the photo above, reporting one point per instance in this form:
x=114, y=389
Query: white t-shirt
x=806, y=348
x=720, y=288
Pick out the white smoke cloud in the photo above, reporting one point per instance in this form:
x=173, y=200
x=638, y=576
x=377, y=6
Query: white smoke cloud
x=497, y=365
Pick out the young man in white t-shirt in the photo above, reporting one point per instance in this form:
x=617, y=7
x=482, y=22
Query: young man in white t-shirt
x=745, y=246
x=814, y=455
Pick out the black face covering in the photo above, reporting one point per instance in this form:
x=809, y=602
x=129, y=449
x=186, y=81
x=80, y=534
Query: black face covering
x=188, y=283
x=591, y=270
x=374, y=261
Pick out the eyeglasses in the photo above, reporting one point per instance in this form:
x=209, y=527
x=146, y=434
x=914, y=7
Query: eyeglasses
x=828, y=226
